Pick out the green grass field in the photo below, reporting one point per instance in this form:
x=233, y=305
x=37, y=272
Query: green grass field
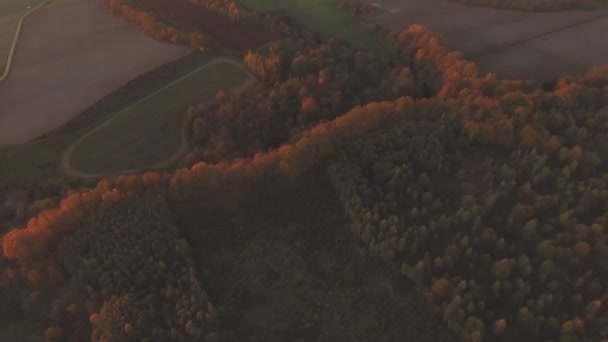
x=149, y=132
x=35, y=160
x=321, y=16
x=156, y=137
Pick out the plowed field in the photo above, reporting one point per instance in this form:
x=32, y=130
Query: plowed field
x=68, y=57
x=512, y=44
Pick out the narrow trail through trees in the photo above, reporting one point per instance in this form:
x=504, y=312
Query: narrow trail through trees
x=67, y=167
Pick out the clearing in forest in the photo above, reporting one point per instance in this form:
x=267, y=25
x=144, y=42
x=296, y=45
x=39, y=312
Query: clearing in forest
x=226, y=33
x=68, y=57
x=149, y=132
x=321, y=16
x=512, y=44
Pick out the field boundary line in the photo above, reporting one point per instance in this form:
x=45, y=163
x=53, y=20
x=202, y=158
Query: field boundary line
x=9, y=59
x=69, y=170
x=542, y=35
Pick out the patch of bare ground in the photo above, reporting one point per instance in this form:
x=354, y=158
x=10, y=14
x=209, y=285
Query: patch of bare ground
x=514, y=44
x=68, y=57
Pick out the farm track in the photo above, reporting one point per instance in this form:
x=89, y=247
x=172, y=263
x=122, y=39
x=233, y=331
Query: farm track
x=9, y=59
x=69, y=170
x=538, y=36
x=55, y=73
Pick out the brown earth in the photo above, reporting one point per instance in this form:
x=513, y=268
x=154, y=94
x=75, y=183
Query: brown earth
x=513, y=44
x=8, y=23
x=68, y=57
x=572, y=51
x=231, y=35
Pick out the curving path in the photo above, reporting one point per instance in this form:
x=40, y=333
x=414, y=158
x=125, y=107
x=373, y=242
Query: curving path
x=69, y=170
x=9, y=60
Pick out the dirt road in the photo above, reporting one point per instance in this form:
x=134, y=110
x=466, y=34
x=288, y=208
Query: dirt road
x=69, y=170
x=68, y=57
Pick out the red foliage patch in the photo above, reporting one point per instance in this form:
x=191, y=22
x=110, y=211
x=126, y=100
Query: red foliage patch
x=227, y=33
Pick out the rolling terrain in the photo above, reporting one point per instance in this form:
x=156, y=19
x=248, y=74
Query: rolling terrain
x=87, y=53
x=344, y=192
x=123, y=143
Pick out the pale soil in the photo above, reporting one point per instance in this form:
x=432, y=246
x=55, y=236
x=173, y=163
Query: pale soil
x=513, y=44
x=68, y=57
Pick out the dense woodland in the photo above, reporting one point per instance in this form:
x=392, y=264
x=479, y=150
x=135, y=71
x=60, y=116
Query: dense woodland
x=535, y=5
x=302, y=83
x=491, y=195
x=115, y=252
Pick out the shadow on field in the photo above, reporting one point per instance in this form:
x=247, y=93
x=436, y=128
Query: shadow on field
x=280, y=265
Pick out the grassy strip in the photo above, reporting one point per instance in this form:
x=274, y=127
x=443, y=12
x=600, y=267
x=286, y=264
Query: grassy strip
x=321, y=16
x=35, y=160
x=132, y=91
x=39, y=159
x=149, y=131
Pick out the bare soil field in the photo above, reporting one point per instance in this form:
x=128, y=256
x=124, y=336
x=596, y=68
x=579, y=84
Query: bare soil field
x=512, y=44
x=10, y=13
x=10, y=7
x=226, y=33
x=8, y=24
x=573, y=51
x=68, y=57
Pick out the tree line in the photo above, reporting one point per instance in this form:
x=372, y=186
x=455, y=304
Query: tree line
x=301, y=84
x=115, y=251
x=157, y=28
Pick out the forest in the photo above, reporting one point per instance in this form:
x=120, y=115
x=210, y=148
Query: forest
x=491, y=196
